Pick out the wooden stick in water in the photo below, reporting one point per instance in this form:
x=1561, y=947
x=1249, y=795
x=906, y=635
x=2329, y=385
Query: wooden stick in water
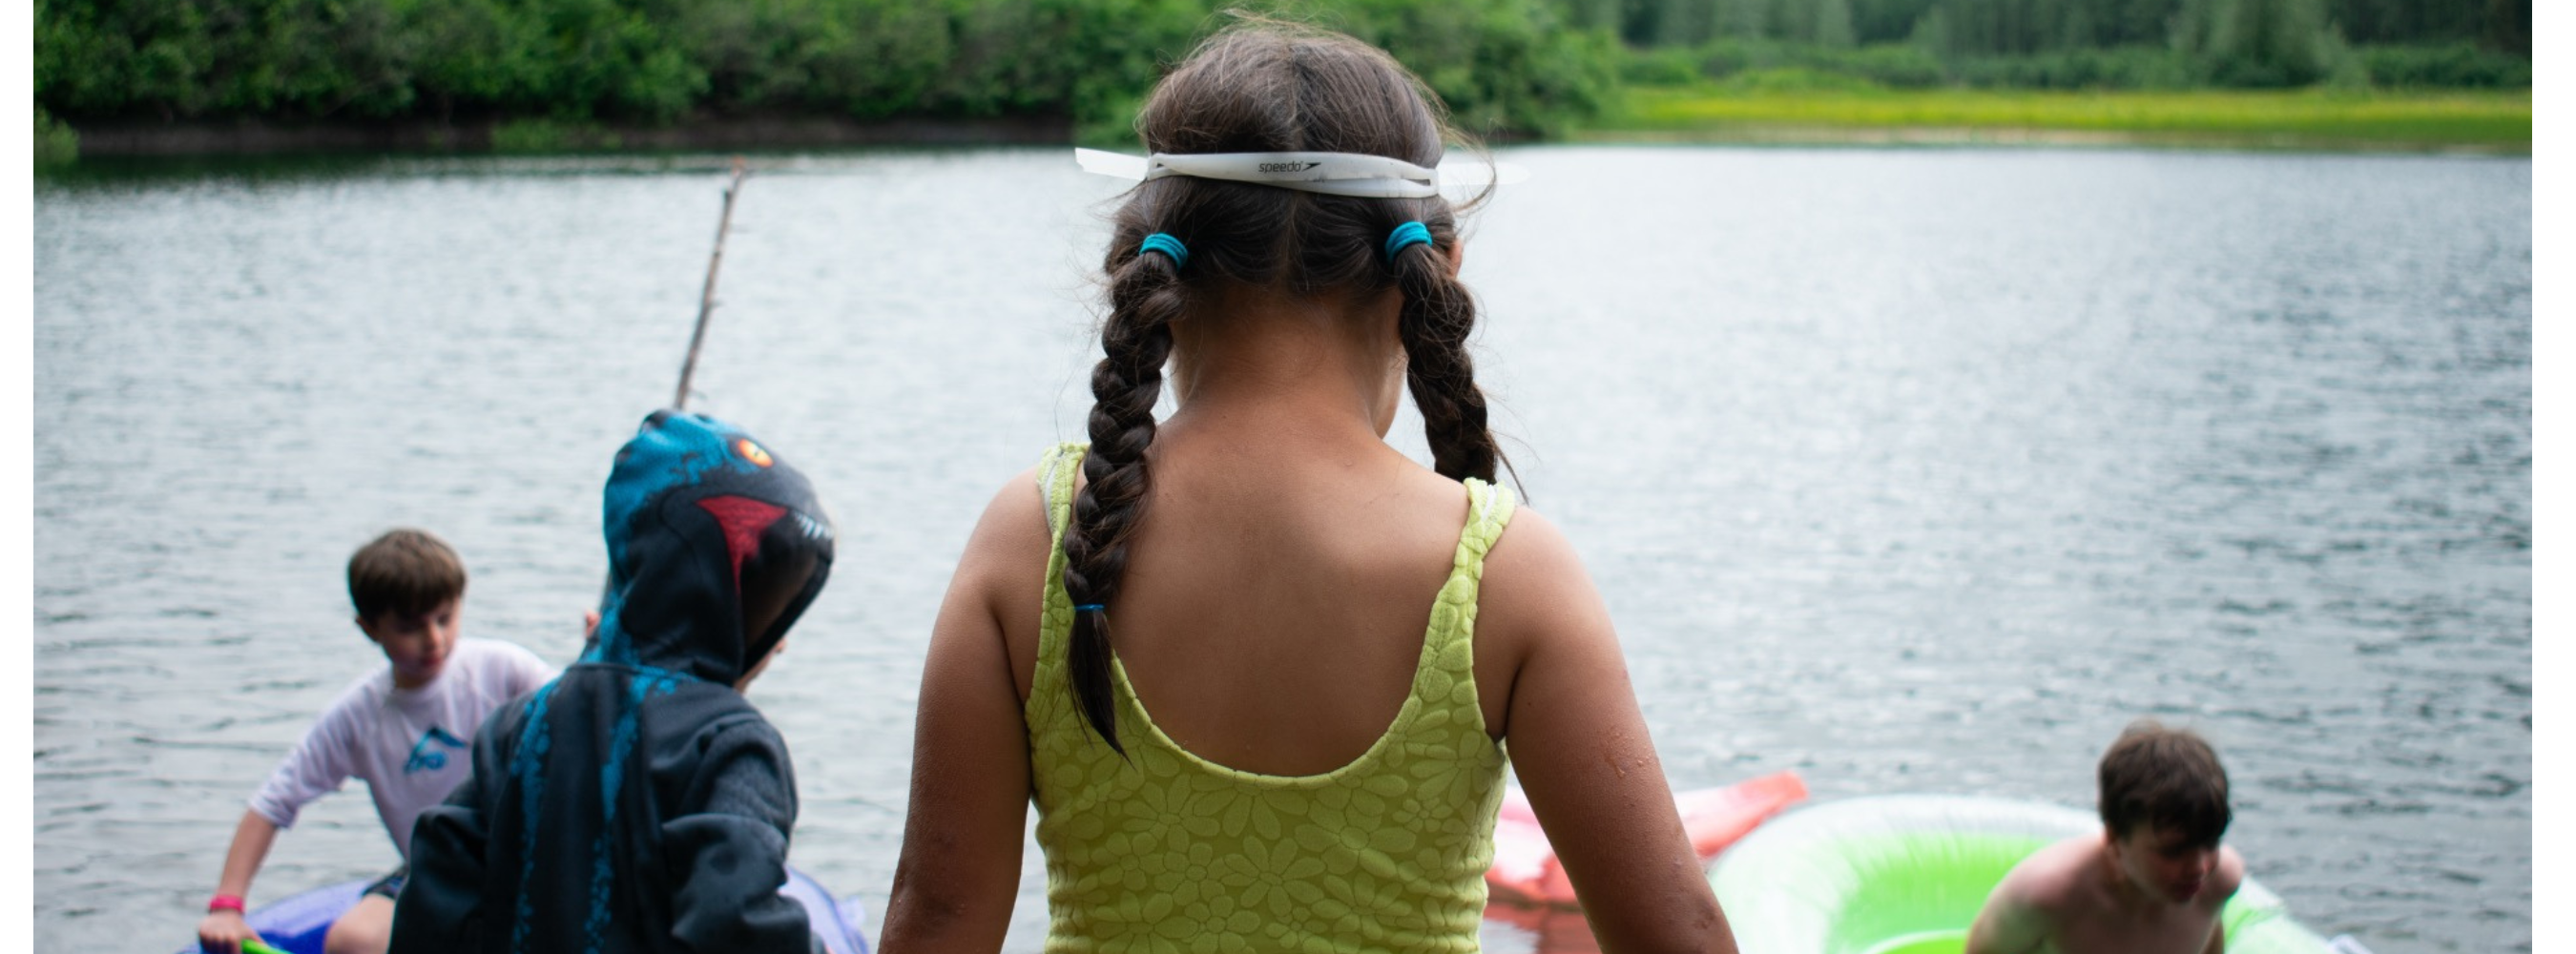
x=707, y=297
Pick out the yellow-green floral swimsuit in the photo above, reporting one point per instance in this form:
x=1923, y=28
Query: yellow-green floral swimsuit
x=1176, y=853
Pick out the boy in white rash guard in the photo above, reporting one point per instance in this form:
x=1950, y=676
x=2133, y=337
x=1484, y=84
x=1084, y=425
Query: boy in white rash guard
x=403, y=728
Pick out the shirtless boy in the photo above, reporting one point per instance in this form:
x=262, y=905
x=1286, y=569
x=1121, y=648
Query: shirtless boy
x=2153, y=880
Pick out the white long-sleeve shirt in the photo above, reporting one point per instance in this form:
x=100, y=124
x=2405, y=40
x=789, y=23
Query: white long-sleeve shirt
x=410, y=745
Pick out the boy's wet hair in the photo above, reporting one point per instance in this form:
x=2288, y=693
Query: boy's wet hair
x=406, y=571
x=1262, y=86
x=2166, y=778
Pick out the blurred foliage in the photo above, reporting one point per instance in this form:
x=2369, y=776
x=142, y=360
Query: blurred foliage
x=2083, y=44
x=1508, y=67
x=551, y=135
x=56, y=144
x=556, y=73
x=2457, y=66
x=2311, y=117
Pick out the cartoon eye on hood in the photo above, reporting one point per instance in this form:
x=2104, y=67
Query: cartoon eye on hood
x=716, y=546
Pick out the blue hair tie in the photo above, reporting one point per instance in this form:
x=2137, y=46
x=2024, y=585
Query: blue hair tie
x=1160, y=242
x=1410, y=233
x=1094, y=607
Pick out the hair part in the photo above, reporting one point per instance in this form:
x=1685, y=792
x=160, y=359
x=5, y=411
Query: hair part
x=2169, y=779
x=1262, y=86
x=405, y=571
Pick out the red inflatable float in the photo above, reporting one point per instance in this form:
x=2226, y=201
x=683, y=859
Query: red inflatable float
x=1525, y=870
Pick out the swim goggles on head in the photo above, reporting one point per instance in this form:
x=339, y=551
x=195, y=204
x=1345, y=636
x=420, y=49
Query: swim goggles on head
x=1329, y=173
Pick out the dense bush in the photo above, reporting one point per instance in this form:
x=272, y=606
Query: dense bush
x=1506, y=66
x=56, y=143
x=1888, y=64
x=2130, y=67
x=1915, y=66
x=2456, y=65
x=564, y=70
x=2085, y=44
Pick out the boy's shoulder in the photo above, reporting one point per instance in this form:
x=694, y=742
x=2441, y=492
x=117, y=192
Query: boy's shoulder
x=498, y=662
x=689, y=726
x=2051, y=880
x=477, y=647
x=709, y=705
x=2226, y=878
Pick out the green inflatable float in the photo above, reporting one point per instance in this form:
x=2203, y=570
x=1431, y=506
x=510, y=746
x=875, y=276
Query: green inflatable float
x=1906, y=874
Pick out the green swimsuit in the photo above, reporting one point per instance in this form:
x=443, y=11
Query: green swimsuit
x=1175, y=853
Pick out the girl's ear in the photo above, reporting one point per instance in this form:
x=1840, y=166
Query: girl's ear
x=1457, y=257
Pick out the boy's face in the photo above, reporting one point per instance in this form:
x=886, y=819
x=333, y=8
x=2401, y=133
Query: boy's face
x=744, y=683
x=2165, y=863
x=417, y=646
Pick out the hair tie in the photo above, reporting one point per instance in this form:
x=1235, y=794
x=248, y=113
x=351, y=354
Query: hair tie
x=1410, y=233
x=1095, y=607
x=1169, y=246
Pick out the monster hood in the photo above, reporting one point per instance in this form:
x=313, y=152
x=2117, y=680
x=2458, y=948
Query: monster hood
x=715, y=547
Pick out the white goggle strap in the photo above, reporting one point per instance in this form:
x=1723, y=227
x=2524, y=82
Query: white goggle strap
x=1332, y=173
x=1329, y=173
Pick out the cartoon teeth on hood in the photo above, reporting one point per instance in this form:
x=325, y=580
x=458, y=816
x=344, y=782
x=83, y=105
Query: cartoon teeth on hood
x=715, y=547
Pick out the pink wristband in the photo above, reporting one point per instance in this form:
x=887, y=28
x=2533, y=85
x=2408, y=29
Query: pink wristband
x=224, y=902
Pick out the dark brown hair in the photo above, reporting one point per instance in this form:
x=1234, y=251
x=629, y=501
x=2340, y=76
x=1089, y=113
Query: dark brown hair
x=2167, y=778
x=1262, y=87
x=405, y=571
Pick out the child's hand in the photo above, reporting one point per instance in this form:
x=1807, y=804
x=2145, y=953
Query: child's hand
x=222, y=932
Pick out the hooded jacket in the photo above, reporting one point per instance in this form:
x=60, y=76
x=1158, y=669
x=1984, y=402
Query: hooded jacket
x=638, y=803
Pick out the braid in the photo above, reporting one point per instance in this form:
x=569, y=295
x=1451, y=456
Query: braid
x=1262, y=88
x=1437, y=316
x=1145, y=297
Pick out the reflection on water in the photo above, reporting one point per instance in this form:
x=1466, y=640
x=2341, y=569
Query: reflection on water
x=1906, y=470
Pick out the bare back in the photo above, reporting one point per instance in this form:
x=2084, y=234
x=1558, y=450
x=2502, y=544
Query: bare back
x=2067, y=898
x=1271, y=613
x=1275, y=605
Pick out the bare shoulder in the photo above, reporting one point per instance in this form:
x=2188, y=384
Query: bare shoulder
x=1533, y=575
x=2227, y=876
x=1014, y=518
x=1535, y=596
x=2050, y=878
x=1003, y=570
x=2026, y=911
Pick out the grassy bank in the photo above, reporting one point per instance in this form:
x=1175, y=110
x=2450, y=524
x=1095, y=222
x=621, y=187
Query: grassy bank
x=1787, y=109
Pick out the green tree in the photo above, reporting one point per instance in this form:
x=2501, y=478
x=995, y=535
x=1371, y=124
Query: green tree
x=2260, y=43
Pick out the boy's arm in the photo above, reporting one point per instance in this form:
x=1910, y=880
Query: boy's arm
x=317, y=765
x=2009, y=923
x=728, y=859
x=221, y=932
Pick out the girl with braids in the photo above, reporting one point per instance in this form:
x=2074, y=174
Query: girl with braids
x=1257, y=668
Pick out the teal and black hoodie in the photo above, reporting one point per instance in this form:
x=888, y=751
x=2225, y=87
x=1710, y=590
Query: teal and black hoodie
x=638, y=803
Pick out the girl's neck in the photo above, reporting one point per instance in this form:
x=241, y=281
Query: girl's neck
x=1306, y=368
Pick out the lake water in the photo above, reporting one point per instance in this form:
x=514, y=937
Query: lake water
x=1911, y=471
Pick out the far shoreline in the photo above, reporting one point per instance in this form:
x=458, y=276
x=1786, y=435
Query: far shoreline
x=2489, y=122
x=199, y=139
x=1793, y=135
x=2439, y=123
